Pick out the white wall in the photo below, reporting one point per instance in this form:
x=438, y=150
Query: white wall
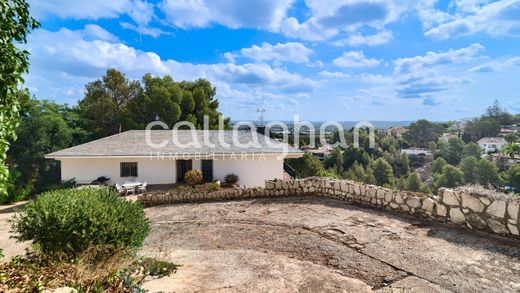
x=87, y=169
x=251, y=173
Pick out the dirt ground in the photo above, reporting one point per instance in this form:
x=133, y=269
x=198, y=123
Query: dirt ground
x=321, y=245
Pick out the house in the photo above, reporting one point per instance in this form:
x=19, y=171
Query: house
x=164, y=156
x=424, y=153
x=492, y=144
x=320, y=152
x=397, y=131
x=509, y=161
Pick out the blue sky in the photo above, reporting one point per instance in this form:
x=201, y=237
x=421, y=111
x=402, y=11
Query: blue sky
x=319, y=59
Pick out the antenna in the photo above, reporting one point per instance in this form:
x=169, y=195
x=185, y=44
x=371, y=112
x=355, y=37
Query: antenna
x=261, y=111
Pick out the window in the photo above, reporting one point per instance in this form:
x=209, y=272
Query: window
x=129, y=169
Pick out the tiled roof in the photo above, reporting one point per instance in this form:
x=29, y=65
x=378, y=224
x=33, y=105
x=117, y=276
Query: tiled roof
x=134, y=143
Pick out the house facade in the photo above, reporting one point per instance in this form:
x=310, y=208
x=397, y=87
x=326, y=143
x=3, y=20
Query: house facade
x=163, y=157
x=492, y=144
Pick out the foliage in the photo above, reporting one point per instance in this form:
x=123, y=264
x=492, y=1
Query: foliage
x=414, y=182
x=307, y=166
x=383, y=172
x=487, y=173
x=511, y=149
x=155, y=267
x=335, y=161
x=468, y=166
x=43, y=129
x=70, y=221
x=513, y=177
x=450, y=176
x=15, y=25
x=437, y=165
x=196, y=189
x=114, y=103
x=421, y=132
x=231, y=179
x=193, y=177
x=472, y=149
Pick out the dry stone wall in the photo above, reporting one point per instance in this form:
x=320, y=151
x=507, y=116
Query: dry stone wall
x=471, y=207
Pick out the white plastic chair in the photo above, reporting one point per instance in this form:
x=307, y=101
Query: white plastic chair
x=121, y=189
x=142, y=188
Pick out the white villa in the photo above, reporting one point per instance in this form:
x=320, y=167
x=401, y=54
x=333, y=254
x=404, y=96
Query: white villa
x=491, y=144
x=130, y=156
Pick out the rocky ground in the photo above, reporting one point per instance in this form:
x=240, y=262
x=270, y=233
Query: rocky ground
x=321, y=245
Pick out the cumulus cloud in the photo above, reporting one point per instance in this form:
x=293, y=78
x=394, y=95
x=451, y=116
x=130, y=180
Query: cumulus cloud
x=355, y=59
x=287, y=52
x=467, y=17
x=377, y=39
x=67, y=59
x=334, y=74
x=403, y=65
x=94, y=9
x=495, y=66
x=266, y=14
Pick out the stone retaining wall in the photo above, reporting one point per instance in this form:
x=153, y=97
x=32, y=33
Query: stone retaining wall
x=471, y=207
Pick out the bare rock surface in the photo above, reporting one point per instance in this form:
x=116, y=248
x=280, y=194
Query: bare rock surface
x=311, y=244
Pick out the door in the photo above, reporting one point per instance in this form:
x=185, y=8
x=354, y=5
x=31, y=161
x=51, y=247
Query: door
x=207, y=170
x=183, y=166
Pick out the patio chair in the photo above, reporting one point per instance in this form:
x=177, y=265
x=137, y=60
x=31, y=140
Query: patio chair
x=121, y=189
x=142, y=188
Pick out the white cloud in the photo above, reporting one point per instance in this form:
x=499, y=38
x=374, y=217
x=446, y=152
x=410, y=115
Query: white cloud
x=67, y=59
x=403, y=65
x=96, y=32
x=94, y=9
x=495, y=66
x=287, y=52
x=380, y=38
x=355, y=59
x=334, y=74
x=266, y=14
x=330, y=18
x=498, y=18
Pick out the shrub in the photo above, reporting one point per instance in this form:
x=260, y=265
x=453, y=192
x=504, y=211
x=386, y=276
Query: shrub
x=193, y=177
x=69, y=221
x=231, y=179
x=202, y=188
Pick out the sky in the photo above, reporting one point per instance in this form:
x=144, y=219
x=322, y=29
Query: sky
x=345, y=60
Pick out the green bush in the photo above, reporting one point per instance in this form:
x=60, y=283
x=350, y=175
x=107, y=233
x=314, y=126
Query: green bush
x=195, y=189
x=69, y=221
x=193, y=177
x=231, y=179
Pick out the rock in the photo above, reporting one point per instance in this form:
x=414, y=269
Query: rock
x=344, y=186
x=380, y=194
x=428, y=205
x=389, y=196
x=512, y=210
x=440, y=210
x=399, y=198
x=485, y=200
x=356, y=190
x=414, y=202
x=456, y=216
x=497, y=209
x=497, y=226
x=450, y=198
x=394, y=205
x=61, y=290
x=405, y=208
x=513, y=229
x=472, y=203
x=476, y=221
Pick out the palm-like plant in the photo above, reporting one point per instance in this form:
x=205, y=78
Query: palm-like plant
x=512, y=149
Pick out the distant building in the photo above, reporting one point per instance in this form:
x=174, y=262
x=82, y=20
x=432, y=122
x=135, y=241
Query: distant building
x=424, y=153
x=509, y=161
x=491, y=144
x=321, y=152
x=397, y=131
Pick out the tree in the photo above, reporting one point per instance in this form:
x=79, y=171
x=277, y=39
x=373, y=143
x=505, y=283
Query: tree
x=414, y=182
x=421, y=132
x=511, y=138
x=455, y=150
x=499, y=114
x=513, y=177
x=469, y=168
x=511, y=149
x=472, y=149
x=437, y=165
x=487, y=173
x=307, y=166
x=42, y=130
x=451, y=176
x=335, y=161
x=15, y=25
x=383, y=172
